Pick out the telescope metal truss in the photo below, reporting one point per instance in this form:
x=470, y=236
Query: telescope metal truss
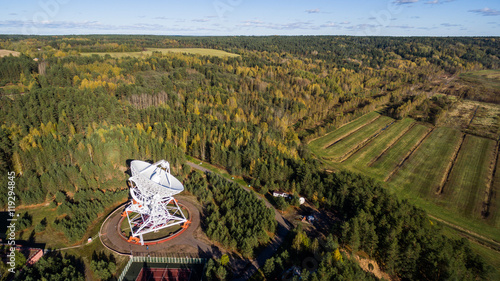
x=153, y=206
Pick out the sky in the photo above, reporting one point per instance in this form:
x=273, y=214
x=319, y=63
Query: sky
x=252, y=17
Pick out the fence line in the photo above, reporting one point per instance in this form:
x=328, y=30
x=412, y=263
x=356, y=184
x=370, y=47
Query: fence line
x=125, y=270
x=163, y=259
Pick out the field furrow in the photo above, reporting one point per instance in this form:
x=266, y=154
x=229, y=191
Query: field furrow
x=344, y=131
x=449, y=167
x=365, y=142
x=390, y=160
x=343, y=147
x=369, y=153
x=422, y=172
x=467, y=183
x=492, y=212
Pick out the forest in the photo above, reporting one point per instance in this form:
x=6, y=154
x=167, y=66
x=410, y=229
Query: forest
x=71, y=122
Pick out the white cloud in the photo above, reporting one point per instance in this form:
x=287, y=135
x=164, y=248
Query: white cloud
x=401, y=26
x=328, y=24
x=278, y=26
x=404, y=2
x=438, y=2
x=313, y=11
x=450, y=24
x=486, y=12
x=92, y=26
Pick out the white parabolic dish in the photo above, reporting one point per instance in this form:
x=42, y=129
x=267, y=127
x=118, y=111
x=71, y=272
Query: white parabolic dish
x=159, y=180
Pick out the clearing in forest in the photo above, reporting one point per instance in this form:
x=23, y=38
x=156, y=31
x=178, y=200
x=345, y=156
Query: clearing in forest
x=342, y=149
x=489, y=78
x=5, y=53
x=465, y=190
x=342, y=132
x=473, y=117
x=460, y=115
x=149, y=52
x=423, y=172
x=440, y=169
x=486, y=121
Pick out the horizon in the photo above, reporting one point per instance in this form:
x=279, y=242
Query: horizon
x=394, y=18
x=271, y=35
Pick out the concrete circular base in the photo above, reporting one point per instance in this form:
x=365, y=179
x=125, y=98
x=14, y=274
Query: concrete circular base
x=159, y=240
x=111, y=237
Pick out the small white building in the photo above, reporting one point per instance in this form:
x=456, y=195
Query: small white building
x=302, y=200
x=280, y=194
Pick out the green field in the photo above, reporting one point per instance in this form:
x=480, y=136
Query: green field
x=423, y=171
x=343, y=147
x=494, y=213
x=465, y=189
x=417, y=160
x=390, y=159
x=488, y=78
x=149, y=51
x=383, y=142
x=343, y=131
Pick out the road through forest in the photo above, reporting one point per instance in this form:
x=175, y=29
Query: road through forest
x=282, y=230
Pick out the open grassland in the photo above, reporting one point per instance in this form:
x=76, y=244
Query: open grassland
x=4, y=53
x=423, y=172
x=468, y=180
x=473, y=117
x=460, y=115
x=486, y=121
x=417, y=160
x=389, y=160
x=149, y=52
x=493, y=214
x=488, y=78
x=343, y=147
x=381, y=143
x=343, y=131
x=51, y=237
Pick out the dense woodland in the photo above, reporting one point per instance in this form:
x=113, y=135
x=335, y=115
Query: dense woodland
x=71, y=122
x=234, y=217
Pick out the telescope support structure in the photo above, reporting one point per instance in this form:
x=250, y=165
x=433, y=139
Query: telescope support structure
x=152, y=206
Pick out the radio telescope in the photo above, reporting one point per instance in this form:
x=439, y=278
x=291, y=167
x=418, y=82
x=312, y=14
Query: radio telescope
x=153, y=206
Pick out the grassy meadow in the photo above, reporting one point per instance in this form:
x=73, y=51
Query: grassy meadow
x=440, y=169
x=391, y=158
x=149, y=52
x=423, y=172
x=344, y=146
x=466, y=187
x=4, y=53
x=374, y=149
x=343, y=131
